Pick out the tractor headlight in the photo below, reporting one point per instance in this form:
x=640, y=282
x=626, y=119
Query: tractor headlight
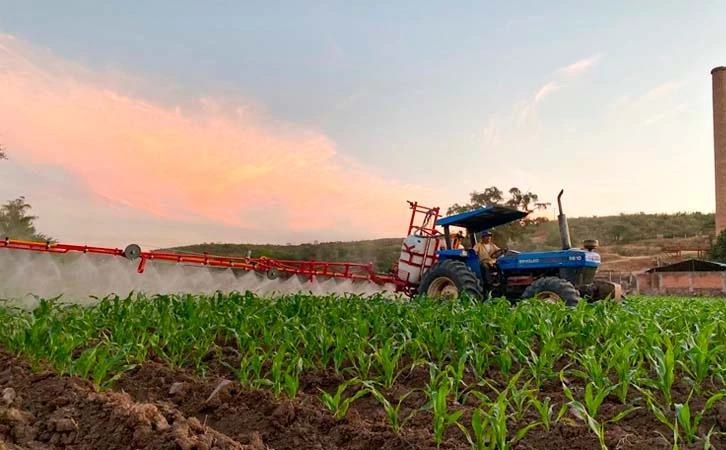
x=464, y=253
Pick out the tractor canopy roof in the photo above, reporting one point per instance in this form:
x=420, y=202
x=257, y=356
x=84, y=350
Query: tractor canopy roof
x=483, y=218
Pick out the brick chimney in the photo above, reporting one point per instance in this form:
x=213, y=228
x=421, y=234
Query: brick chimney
x=718, y=77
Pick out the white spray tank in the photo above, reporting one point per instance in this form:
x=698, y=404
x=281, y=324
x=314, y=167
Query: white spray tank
x=418, y=250
x=418, y=254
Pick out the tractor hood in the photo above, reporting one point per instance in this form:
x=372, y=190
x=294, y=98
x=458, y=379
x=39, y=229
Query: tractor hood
x=483, y=218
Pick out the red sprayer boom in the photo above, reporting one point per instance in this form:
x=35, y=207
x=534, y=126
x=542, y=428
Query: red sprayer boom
x=421, y=226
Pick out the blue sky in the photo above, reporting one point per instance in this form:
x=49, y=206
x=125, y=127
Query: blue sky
x=607, y=100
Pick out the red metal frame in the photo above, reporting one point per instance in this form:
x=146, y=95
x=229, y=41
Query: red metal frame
x=57, y=248
x=272, y=267
x=428, y=222
x=426, y=226
x=311, y=268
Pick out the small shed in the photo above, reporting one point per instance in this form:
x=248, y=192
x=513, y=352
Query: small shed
x=689, y=277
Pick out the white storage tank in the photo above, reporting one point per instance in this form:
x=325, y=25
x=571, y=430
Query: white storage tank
x=417, y=254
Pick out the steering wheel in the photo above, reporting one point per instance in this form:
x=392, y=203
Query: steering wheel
x=499, y=253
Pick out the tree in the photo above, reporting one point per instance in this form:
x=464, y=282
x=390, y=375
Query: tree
x=15, y=223
x=521, y=200
x=491, y=196
x=717, y=252
x=2, y=153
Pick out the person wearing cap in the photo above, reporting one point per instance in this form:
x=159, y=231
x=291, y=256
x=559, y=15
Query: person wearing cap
x=484, y=250
x=457, y=241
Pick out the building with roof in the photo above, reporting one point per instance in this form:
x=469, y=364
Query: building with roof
x=689, y=277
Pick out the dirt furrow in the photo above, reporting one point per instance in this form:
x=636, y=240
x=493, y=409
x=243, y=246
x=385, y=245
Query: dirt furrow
x=40, y=411
x=282, y=423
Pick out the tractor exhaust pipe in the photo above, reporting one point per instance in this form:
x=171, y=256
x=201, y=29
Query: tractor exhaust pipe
x=564, y=229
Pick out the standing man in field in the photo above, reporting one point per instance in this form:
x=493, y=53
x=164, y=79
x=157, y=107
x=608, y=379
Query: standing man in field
x=486, y=250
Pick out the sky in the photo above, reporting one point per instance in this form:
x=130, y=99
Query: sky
x=178, y=122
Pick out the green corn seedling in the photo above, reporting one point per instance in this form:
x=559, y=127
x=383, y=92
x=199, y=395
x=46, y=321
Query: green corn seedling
x=336, y=403
x=392, y=412
x=439, y=405
x=588, y=411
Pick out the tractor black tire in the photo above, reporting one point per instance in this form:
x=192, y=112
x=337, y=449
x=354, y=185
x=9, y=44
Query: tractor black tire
x=450, y=278
x=553, y=289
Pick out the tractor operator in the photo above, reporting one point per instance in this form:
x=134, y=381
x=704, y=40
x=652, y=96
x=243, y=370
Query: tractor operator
x=485, y=249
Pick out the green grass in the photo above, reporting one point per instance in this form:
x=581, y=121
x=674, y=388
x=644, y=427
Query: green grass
x=634, y=352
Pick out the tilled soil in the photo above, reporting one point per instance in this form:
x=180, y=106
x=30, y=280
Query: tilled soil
x=155, y=407
x=44, y=411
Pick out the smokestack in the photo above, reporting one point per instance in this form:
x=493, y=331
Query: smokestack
x=718, y=77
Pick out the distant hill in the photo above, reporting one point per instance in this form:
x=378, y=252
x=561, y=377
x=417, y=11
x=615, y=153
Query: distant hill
x=383, y=253
x=630, y=241
x=630, y=228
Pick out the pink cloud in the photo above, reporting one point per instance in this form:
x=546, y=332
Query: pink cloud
x=545, y=90
x=580, y=66
x=217, y=163
x=542, y=92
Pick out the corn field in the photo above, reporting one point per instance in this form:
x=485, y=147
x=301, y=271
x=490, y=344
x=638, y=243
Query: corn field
x=645, y=373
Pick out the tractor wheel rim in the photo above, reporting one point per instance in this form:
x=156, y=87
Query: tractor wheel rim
x=548, y=296
x=443, y=287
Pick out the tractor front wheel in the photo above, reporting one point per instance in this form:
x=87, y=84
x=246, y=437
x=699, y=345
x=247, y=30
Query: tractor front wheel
x=449, y=279
x=553, y=290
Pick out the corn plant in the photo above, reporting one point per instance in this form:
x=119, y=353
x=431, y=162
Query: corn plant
x=593, y=369
x=362, y=360
x=683, y=419
x=385, y=359
x=339, y=352
x=663, y=362
x=336, y=403
x=479, y=359
x=291, y=378
x=663, y=416
x=392, y=411
x=250, y=368
x=620, y=358
x=479, y=438
x=517, y=399
x=550, y=337
x=101, y=364
x=588, y=411
x=493, y=431
x=701, y=353
x=544, y=408
x=438, y=395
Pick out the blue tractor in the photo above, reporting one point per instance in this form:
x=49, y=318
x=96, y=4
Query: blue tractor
x=566, y=275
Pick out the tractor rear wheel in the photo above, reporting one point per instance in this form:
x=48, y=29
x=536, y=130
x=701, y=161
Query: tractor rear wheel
x=449, y=279
x=553, y=290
